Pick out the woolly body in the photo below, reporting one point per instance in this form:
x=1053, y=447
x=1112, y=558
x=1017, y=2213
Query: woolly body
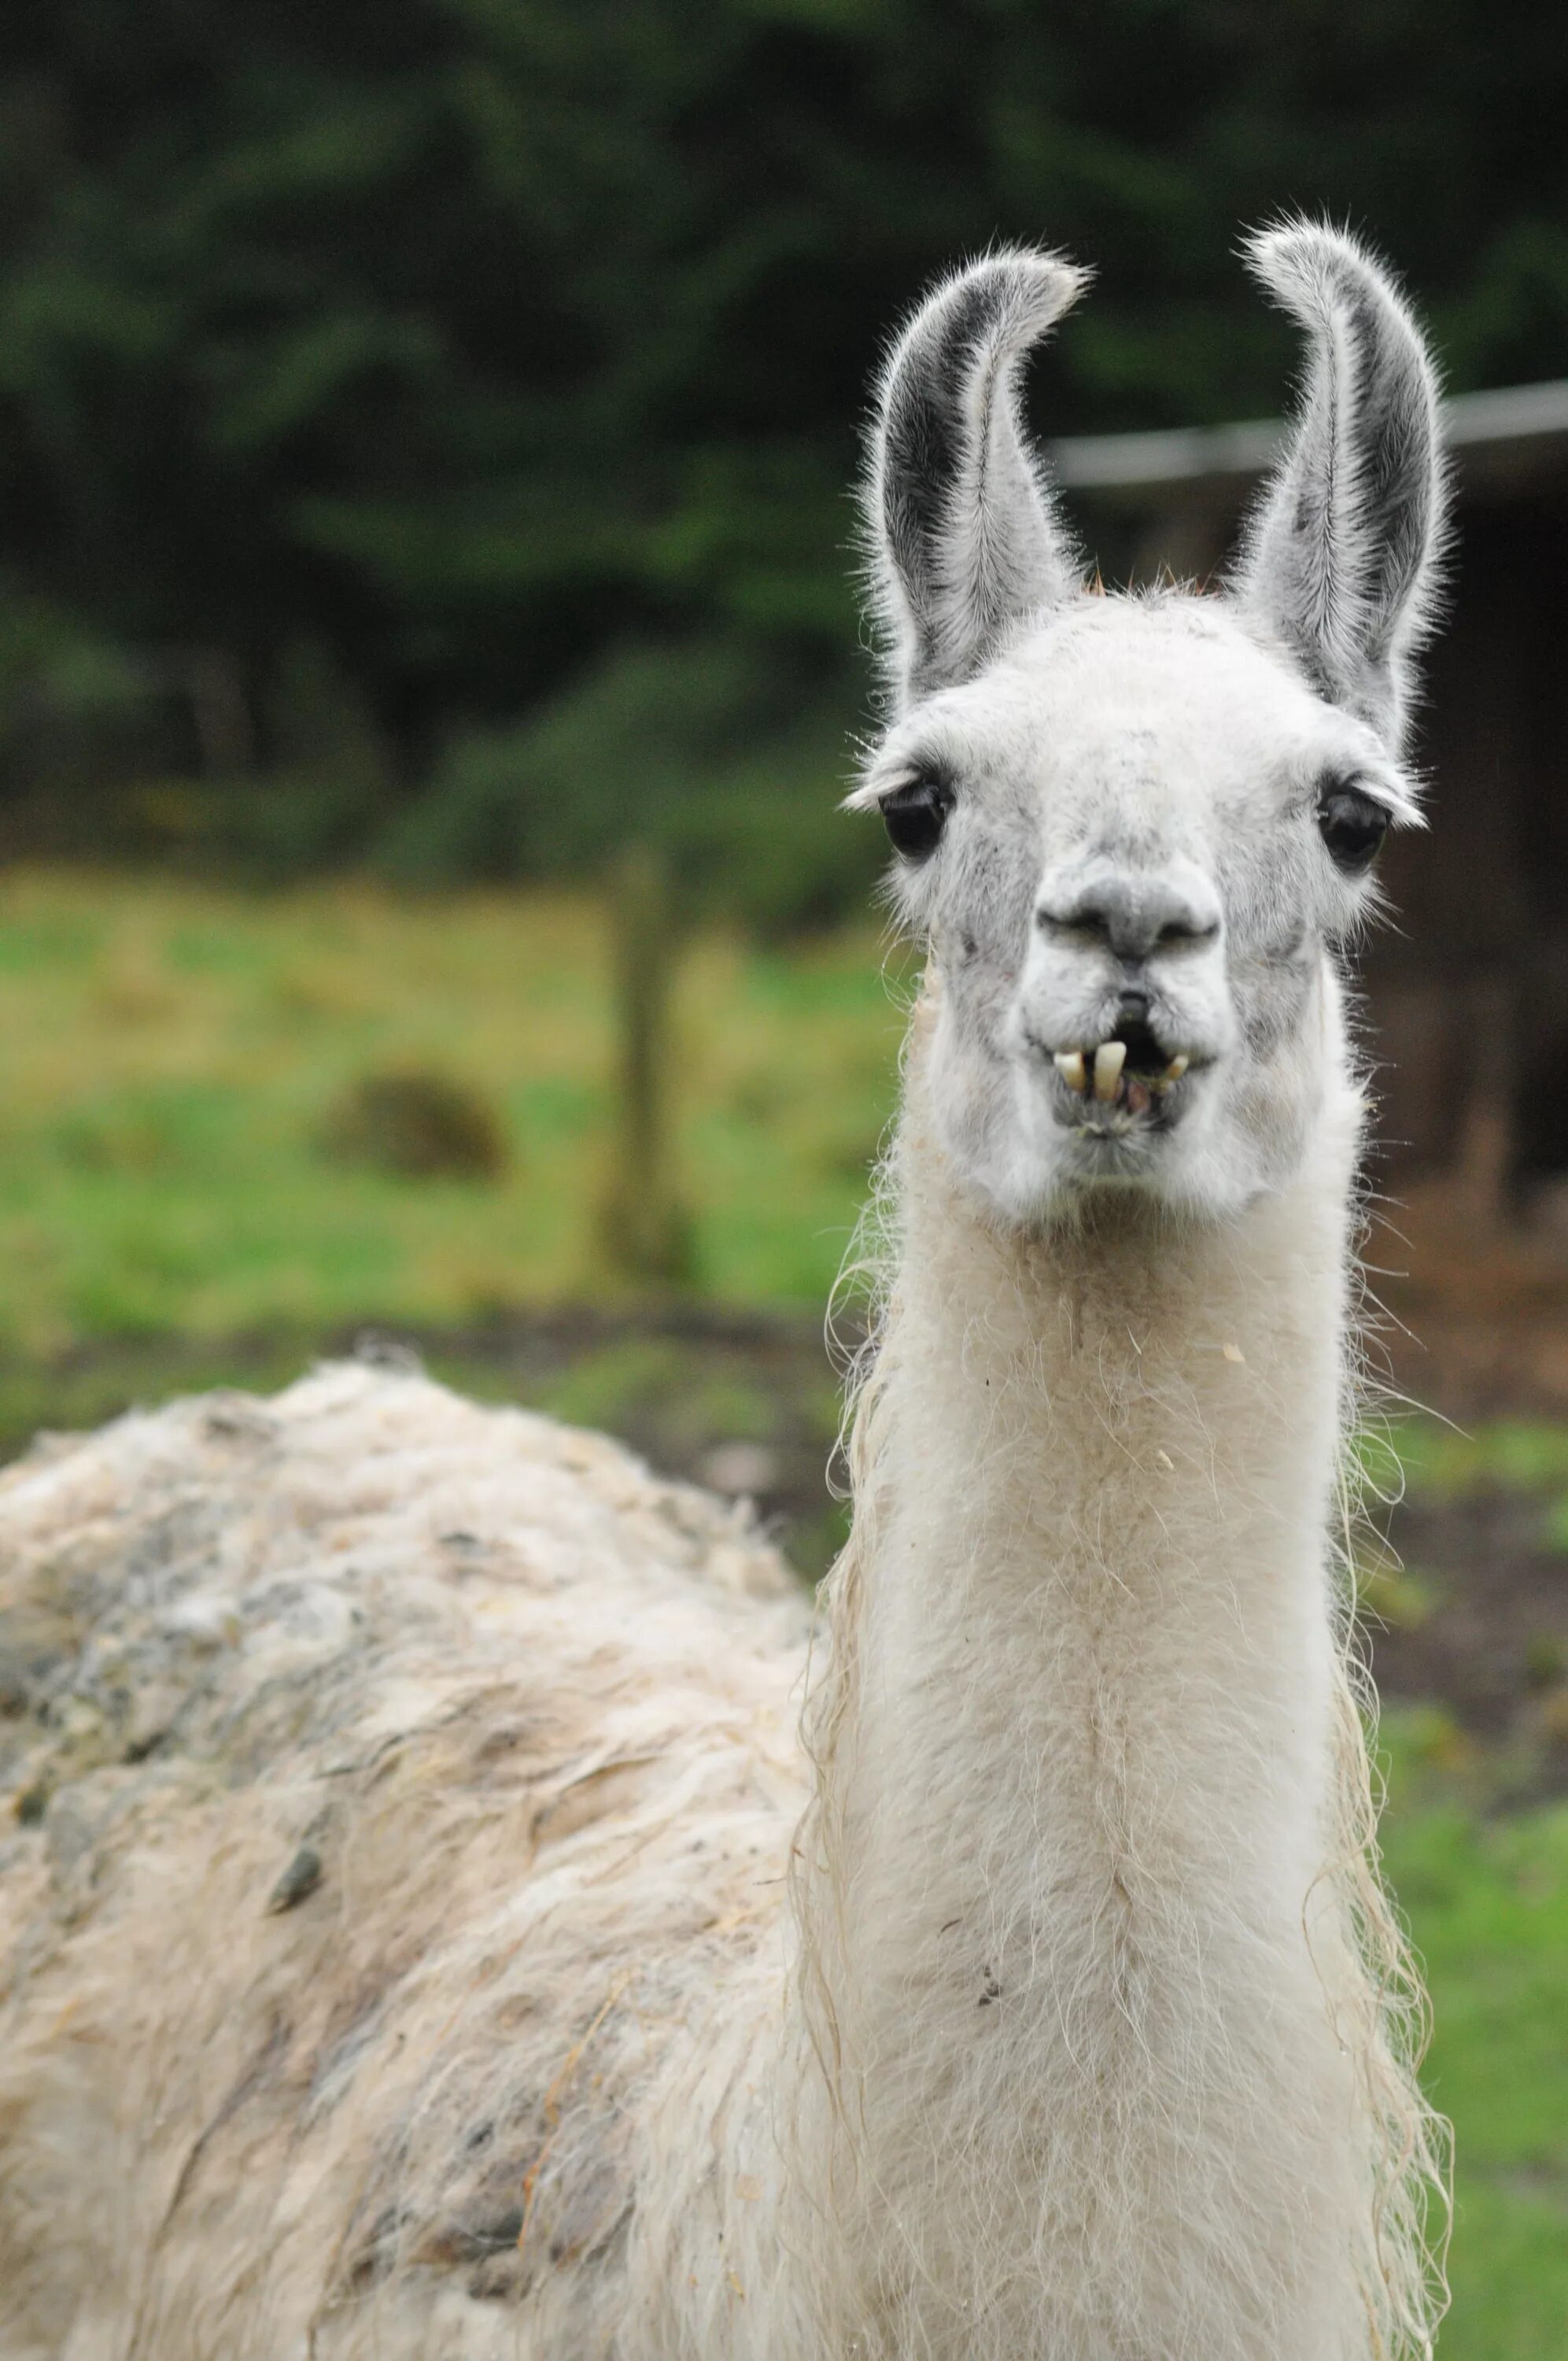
x=531, y=1711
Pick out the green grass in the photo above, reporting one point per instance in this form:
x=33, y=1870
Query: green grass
x=1488, y=1903
x=1501, y=1454
x=171, y=1055
x=1486, y=1897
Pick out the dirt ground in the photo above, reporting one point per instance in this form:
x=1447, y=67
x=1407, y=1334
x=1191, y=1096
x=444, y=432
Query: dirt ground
x=1482, y=1608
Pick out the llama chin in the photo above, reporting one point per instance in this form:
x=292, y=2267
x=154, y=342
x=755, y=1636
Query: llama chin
x=426, y=1931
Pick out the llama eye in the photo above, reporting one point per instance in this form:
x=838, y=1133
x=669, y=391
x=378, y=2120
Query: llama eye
x=915, y=816
x=1352, y=826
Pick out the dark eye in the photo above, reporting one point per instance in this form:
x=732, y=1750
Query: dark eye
x=1352, y=826
x=917, y=814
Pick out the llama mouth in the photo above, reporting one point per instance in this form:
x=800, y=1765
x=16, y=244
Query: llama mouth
x=1131, y=1076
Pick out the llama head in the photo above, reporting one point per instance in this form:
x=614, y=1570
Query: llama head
x=1135, y=830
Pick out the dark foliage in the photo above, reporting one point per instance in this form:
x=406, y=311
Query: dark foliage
x=477, y=340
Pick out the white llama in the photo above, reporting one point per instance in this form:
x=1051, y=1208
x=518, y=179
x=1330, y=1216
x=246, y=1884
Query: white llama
x=406, y=1952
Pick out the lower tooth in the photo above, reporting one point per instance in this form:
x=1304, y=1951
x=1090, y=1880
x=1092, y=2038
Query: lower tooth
x=1070, y=1065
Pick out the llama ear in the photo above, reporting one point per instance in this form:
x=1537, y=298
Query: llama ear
x=1340, y=554
x=962, y=532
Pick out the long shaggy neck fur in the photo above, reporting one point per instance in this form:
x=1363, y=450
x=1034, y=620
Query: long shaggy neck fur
x=1107, y=2005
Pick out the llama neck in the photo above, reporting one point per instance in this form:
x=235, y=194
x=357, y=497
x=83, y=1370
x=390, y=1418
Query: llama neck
x=1102, y=1466
x=1077, y=1758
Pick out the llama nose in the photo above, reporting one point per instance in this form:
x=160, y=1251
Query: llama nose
x=1131, y=912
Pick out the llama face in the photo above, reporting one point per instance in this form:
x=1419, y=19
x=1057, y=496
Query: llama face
x=1132, y=842
x=1133, y=830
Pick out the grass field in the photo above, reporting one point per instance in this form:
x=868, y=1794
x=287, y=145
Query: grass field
x=182, y=1202
x=171, y=1061
x=1487, y=1898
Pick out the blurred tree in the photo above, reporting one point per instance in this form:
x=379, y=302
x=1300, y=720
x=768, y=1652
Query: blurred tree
x=472, y=339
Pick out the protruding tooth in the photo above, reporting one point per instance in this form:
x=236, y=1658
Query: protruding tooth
x=1109, y=1061
x=1070, y=1065
x=1176, y=1069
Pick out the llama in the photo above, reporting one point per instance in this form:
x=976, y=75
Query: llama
x=426, y=1933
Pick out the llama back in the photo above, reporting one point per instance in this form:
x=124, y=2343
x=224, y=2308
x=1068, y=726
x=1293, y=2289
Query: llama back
x=395, y=1779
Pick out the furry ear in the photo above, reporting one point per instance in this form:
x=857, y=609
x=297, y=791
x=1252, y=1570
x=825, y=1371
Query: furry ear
x=962, y=533
x=1340, y=554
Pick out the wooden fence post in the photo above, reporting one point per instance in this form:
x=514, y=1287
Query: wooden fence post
x=643, y=1228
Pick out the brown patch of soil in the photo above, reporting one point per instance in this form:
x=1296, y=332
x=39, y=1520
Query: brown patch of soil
x=1492, y=1643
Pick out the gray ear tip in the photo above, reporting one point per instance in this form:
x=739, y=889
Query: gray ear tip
x=1310, y=268
x=1030, y=275
x=1009, y=297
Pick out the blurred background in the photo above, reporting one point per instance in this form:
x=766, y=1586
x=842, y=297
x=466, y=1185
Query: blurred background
x=429, y=662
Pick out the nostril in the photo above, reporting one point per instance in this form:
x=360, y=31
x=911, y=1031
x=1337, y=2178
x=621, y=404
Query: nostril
x=1081, y=919
x=1181, y=934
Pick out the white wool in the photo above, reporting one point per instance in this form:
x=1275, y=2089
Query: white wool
x=531, y=1709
